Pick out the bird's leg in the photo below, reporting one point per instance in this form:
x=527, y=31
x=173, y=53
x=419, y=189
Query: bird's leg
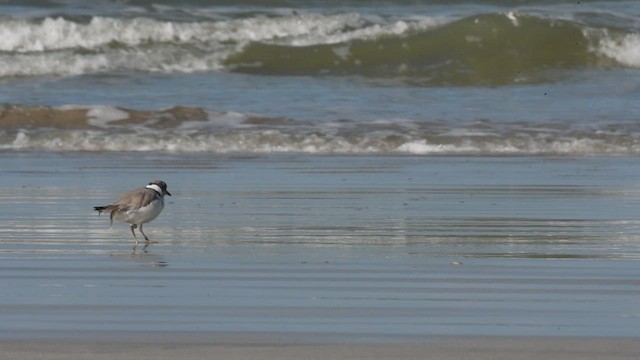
x=143, y=234
x=147, y=240
x=133, y=226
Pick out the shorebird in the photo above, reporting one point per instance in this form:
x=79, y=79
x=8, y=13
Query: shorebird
x=138, y=207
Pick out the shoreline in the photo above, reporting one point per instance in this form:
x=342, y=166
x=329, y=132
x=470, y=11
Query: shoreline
x=271, y=346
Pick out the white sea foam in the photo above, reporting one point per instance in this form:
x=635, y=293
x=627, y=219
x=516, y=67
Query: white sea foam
x=59, y=46
x=265, y=141
x=513, y=17
x=102, y=115
x=20, y=142
x=184, y=129
x=421, y=147
x=160, y=59
x=59, y=33
x=300, y=29
x=626, y=51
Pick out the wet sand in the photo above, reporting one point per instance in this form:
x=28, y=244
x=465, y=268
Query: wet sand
x=333, y=257
x=451, y=348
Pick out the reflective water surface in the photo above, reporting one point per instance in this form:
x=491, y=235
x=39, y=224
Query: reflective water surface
x=359, y=248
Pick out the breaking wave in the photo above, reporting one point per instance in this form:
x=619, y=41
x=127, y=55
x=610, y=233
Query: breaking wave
x=492, y=48
x=187, y=129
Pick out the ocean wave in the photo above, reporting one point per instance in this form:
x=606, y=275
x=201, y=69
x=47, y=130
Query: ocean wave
x=487, y=49
x=186, y=129
x=492, y=48
x=625, y=49
x=301, y=29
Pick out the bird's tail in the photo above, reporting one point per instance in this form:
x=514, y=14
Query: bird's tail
x=100, y=209
x=108, y=209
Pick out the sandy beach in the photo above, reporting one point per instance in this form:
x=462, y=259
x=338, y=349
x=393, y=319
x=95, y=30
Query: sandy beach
x=454, y=349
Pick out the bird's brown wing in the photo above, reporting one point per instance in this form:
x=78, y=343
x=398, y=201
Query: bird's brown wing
x=135, y=199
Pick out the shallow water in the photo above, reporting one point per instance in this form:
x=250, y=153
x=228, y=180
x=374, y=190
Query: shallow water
x=338, y=248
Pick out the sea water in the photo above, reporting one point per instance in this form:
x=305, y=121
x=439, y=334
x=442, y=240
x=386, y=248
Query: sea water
x=485, y=78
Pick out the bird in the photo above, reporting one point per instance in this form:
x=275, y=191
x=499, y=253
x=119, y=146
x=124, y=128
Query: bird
x=137, y=207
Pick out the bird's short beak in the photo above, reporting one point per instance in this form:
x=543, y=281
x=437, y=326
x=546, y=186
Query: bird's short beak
x=168, y=193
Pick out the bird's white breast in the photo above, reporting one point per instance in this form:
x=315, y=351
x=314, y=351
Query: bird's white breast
x=144, y=214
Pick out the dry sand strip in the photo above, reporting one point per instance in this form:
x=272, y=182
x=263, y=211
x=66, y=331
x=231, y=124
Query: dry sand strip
x=453, y=348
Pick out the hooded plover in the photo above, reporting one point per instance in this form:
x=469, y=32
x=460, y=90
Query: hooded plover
x=138, y=207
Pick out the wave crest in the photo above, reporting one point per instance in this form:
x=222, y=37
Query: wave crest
x=186, y=129
x=497, y=48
